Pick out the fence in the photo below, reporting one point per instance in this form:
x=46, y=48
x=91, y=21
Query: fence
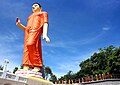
x=90, y=79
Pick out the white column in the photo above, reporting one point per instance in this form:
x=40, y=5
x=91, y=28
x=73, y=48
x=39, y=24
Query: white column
x=6, y=61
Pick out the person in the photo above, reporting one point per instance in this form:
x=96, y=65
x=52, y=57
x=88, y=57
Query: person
x=36, y=26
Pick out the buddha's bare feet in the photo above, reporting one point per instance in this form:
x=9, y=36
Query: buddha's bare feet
x=36, y=69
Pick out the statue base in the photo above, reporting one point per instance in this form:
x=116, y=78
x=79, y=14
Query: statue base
x=33, y=78
x=28, y=73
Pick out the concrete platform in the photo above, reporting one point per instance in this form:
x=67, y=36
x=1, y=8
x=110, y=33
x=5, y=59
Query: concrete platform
x=10, y=82
x=38, y=81
x=103, y=82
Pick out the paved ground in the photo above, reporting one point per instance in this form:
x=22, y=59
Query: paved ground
x=31, y=81
x=104, y=82
x=10, y=82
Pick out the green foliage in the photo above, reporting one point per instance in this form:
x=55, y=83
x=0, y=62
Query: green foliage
x=47, y=72
x=15, y=69
x=107, y=60
x=1, y=67
x=53, y=78
x=69, y=76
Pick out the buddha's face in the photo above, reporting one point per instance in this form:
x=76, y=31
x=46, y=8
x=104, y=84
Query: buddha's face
x=36, y=8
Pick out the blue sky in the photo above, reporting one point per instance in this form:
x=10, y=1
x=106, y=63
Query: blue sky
x=77, y=29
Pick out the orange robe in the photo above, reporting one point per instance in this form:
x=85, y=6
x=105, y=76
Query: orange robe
x=32, y=43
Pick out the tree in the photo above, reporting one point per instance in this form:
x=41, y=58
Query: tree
x=53, y=78
x=15, y=69
x=47, y=72
x=69, y=76
x=1, y=67
x=107, y=60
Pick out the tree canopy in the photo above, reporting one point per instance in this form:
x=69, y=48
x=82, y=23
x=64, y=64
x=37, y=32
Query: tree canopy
x=47, y=72
x=107, y=60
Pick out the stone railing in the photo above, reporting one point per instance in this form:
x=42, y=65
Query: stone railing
x=7, y=78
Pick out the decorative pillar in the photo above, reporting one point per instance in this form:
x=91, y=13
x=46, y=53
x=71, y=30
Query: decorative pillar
x=96, y=77
x=6, y=61
x=82, y=80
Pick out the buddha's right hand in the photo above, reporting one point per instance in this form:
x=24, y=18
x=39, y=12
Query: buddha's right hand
x=17, y=21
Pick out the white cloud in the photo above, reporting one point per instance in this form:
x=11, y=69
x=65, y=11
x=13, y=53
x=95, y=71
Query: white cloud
x=71, y=44
x=105, y=28
x=9, y=36
x=55, y=44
